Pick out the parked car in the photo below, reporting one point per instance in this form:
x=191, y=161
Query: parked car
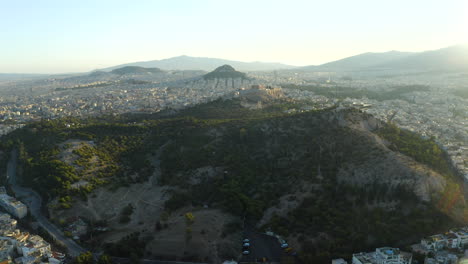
x=245, y=252
x=284, y=245
x=246, y=240
x=246, y=245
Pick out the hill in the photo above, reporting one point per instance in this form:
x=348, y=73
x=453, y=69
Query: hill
x=453, y=58
x=133, y=70
x=205, y=64
x=359, y=62
x=224, y=72
x=332, y=182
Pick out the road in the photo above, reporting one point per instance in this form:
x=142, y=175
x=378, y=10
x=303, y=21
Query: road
x=34, y=201
x=261, y=246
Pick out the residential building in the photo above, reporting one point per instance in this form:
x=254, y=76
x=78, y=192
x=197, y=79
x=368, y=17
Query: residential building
x=462, y=235
x=35, y=245
x=6, y=249
x=442, y=257
x=384, y=255
x=339, y=261
x=435, y=242
x=11, y=205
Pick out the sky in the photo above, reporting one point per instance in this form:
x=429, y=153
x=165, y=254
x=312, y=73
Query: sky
x=57, y=36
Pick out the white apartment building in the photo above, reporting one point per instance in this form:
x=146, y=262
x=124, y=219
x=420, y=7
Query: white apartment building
x=11, y=205
x=384, y=255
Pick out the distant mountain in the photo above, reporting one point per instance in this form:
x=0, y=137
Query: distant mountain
x=205, y=64
x=361, y=61
x=223, y=72
x=98, y=74
x=135, y=70
x=454, y=58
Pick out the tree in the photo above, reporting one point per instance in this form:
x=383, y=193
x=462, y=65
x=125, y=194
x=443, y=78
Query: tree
x=104, y=259
x=84, y=258
x=190, y=218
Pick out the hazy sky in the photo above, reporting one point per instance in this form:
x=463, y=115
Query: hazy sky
x=47, y=36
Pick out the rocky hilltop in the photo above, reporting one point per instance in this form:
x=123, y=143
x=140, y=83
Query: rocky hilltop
x=224, y=77
x=225, y=72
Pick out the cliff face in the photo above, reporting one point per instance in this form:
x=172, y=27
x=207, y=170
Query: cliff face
x=390, y=168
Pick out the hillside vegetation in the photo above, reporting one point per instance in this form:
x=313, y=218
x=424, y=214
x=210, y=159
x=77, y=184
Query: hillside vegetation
x=319, y=178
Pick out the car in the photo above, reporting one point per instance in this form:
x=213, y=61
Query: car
x=245, y=252
x=246, y=240
x=284, y=245
x=246, y=245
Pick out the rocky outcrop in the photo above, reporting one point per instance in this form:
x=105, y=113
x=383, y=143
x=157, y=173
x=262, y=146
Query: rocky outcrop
x=225, y=72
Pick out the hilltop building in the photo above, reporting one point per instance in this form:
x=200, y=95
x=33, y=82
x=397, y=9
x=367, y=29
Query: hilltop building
x=257, y=94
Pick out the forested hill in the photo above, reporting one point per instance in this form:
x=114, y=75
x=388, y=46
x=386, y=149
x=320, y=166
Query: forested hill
x=331, y=181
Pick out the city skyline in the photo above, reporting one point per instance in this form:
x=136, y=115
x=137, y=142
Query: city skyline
x=58, y=37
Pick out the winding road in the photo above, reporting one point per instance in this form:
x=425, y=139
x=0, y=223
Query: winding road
x=34, y=202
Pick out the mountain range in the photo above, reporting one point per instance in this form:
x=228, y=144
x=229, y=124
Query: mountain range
x=135, y=70
x=454, y=58
x=361, y=61
x=200, y=63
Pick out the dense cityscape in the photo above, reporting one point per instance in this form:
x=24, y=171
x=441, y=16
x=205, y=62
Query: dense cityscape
x=436, y=112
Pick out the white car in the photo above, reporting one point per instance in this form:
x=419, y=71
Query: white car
x=246, y=245
x=246, y=240
x=245, y=252
x=284, y=245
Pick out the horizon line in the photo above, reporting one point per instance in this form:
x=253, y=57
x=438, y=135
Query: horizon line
x=202, y=57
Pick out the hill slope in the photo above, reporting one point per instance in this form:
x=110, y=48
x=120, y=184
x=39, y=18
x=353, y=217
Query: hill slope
x=331, y=182
x=453, y=58
x=361, y=61
x=223, y=72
